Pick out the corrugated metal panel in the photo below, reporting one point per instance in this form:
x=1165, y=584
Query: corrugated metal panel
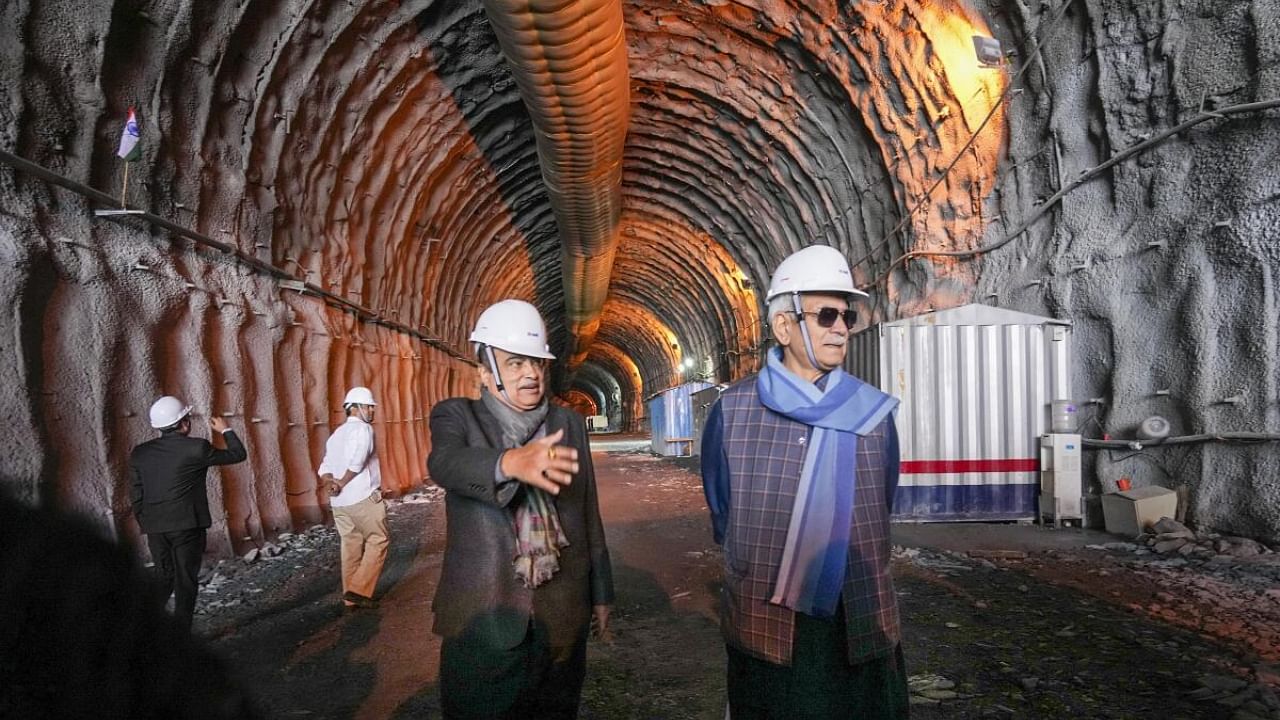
x=657, y=425
x=702, y=402
x=671, y=419
x=975, y=398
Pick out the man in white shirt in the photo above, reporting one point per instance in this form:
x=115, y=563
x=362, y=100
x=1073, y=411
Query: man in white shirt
x=354, y=481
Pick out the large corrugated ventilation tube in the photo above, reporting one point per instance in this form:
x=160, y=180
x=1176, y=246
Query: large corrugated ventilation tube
x=569, y=58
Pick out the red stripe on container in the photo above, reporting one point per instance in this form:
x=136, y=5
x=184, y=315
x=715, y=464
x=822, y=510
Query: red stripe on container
x=918, y=467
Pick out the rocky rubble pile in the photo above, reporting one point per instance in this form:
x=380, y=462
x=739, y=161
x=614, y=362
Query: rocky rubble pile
x=231, y=583
x=1169, y=536
x=1238, y=699
x=230, y=588
x=930, y=689
x=1224, y=586
x=1244, y=562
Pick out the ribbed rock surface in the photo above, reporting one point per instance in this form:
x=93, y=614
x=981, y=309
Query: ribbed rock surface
x=381, y=151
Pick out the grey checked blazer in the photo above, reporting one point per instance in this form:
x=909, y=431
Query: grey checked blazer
x=763, y=453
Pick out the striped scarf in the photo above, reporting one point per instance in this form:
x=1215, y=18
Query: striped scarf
x=817, y=546
x=539, y=535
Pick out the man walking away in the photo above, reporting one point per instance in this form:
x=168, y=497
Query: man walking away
x=170, y=497
x=351, y=472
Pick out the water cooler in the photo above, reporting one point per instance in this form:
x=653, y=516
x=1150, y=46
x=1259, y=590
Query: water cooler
x=1061, y=494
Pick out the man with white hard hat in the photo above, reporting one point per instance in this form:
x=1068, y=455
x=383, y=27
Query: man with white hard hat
x=799, y=467
x=526, y=569
x=353, y=478
x=169, y=478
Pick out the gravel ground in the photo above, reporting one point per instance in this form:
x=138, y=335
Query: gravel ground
x=1106, y=631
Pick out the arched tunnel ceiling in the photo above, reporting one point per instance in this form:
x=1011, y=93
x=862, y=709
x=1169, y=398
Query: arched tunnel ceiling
x=382, y=149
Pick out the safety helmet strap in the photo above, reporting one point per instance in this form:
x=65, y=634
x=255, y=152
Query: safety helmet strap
x=497, y=376
x=804, y=329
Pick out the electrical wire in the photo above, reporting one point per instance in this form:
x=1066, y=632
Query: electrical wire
x=360, y=312
x=1031, y=56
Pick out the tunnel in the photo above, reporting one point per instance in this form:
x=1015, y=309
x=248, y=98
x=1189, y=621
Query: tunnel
x=328, y=193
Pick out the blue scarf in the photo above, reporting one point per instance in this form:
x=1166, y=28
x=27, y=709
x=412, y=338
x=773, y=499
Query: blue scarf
x=813, y=559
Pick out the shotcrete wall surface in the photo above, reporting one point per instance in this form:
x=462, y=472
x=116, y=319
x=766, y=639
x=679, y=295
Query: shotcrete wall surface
x=382, y=152
x=112, y=317
x=1169, y=264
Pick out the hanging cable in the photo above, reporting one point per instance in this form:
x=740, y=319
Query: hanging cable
x=1082, y=179
x=1035, y=51
x=361, y=312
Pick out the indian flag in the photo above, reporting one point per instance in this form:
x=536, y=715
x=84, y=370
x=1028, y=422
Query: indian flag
x=129, y=148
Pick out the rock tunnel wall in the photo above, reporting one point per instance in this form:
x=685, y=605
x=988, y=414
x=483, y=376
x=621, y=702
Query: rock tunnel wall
x=381, y=150
x=112, y=317
x=1168, y=263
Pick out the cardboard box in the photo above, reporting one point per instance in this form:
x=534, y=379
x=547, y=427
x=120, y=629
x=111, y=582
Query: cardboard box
x=1131, y=512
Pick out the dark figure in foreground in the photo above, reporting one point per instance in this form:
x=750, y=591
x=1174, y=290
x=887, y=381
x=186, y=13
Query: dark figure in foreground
x=525, y=566
x=170, y=497
x=800, y=465
x=85, y=636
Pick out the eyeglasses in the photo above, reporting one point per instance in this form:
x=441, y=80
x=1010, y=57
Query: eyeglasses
x=827, y=316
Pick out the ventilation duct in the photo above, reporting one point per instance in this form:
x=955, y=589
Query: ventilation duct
x=569, y=59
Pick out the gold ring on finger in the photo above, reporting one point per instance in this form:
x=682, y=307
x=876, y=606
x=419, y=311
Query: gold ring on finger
x=551, y=453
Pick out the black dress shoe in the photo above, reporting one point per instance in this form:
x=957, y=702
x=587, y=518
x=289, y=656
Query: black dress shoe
x=360, y=601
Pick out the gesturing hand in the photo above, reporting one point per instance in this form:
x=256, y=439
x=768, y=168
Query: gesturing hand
x=217, y=424
x=542, y=463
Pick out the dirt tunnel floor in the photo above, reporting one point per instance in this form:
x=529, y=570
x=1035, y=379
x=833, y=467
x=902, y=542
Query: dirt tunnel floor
x=1061, y=633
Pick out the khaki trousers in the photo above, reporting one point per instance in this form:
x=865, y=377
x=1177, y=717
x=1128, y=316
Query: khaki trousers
x=363, y=529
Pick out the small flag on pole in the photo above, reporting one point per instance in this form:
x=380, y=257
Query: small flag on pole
x=129, y=148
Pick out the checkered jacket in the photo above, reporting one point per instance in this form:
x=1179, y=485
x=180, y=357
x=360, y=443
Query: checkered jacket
x=764, y=453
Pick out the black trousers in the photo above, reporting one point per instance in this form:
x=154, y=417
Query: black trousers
x=820, y=684
x=177, y=556
x=533, y=680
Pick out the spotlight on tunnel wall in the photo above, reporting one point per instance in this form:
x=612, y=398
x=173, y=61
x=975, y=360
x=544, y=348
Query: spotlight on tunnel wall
x=988, y=51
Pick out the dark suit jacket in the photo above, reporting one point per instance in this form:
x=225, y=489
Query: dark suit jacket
x=479, y=594
x=169, y=477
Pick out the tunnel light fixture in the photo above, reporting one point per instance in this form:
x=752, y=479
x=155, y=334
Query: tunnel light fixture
x=987, y=49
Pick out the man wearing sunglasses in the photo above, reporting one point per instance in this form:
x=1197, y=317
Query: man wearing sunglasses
x=799, y=467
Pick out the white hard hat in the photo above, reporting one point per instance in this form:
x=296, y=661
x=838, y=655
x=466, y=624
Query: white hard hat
x=358, y=396
x=167, y=411
x=817, y=268
x=514, y=326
